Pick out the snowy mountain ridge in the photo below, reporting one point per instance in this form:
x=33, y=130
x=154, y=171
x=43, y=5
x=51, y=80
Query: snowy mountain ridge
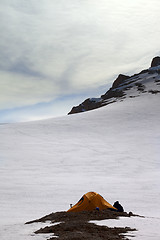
x=145, y=82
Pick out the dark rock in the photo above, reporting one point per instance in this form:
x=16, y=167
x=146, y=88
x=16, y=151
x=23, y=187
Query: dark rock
x=155, y=61
x=76, y=109
x=120, y=79
x=113, y=93
x=140, y=87
x=154, y=91
x=158, y=80
x=87, y=105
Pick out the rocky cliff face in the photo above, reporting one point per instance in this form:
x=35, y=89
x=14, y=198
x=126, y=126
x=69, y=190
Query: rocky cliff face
x=147, y=81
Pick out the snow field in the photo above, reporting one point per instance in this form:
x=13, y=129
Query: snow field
x=46, y=165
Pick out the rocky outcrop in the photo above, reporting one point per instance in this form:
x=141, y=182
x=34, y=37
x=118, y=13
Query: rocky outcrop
x=119, y=89
x=111, y=93
x=114, y=91
x=155, y=66
x=93, y=103
x=155, y=62
x=88, y=104
x=120, y=79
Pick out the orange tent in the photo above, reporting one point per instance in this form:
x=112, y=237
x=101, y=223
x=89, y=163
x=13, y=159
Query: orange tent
x=91, y=201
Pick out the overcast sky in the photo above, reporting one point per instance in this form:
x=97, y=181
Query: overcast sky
x=56, y=53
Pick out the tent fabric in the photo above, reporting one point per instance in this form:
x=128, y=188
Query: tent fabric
x=91, y=201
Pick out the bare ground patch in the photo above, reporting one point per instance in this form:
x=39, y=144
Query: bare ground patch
x=76, y=226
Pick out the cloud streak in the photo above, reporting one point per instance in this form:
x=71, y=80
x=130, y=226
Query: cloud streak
x=53, y=48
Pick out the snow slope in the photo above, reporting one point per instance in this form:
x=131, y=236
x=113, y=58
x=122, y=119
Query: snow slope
x=114, y=150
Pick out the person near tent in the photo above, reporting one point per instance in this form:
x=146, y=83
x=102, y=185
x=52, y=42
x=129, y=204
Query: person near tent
x=118, y=206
